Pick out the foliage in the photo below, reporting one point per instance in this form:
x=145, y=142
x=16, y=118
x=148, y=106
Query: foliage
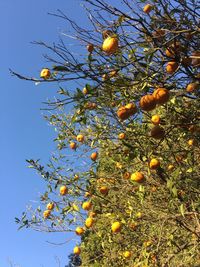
x=160, y=213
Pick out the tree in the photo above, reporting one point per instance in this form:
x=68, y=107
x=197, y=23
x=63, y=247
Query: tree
x=130, y=185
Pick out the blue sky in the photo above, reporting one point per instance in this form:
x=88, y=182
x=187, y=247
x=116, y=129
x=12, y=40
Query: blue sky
x=24, y=133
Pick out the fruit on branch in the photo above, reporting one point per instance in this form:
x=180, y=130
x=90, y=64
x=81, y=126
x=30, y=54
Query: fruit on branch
x=46, y=214
x=116, y=227
x=72, y=145
x=80, y=138
x=174, y=50
x=103, y=190
x=147, y=8
x=154, y=164
x=63, y=190
x=89, y=222
x=171, y=67
x=90, y=48
x=110, y=45
x=191, y=87
x=147, y=102
x=87, y=205
x=94, y=156
x=122, y=136
x=85, y=91
x=45, y=74
x=157, y=132
x=137, y=177
x=155, y=119
x=124, y=112
x=79, y=230
x=77, y=250
x=127, y=254
x=50, y=206
x=161, y=95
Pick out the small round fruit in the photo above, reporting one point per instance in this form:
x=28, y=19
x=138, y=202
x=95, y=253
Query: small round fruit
x=137, y=177
x=77, y=250
x=50, y=206
x=85, y=91
x=45, y=74
x=147, y=8
x=89, y=222
x=87, y=205
x=127, y=254
x=79, y=230
x=116, y=227
x=161, y=95
x=63, y=190
x=94, y=156
x=131, y=108
x=46, y=214
x=110, y=45
x=147, y=103
x=191, y=87
x=155, y=119
x=170, y=167
x=90, y=48
x=122, y=136
x=103, y=190
x=157, y=132
x=171, y=67
x=139, y=215
x=72, y=145
x=154, y=164
x=80, y=138
x=122, y=113
x=191, y=142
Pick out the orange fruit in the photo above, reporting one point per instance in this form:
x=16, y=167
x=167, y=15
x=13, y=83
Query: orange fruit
x=171, y=67
x=191, y=142
x=87, y=205
x=155, y=119
x=89, y=222
x=154, y=164
x=80, y=138
x=192, y=87
x=50, y=206
x=116, y=227
x=147, y=103
x=147, y=8
x=94, y=156
x=157, y=132
x=122, y=113
x=77, y=250
x=92, y=214
x=137, y=177
x=110, y=45
x=45, y=74
x=63, y=190
x=122, y=136
x=72, y=145
x=46, y=214
x=103, y=190
x=131, y=108
x=127, y=254
x=161, y=95
x=79, y=230
x=90, y=48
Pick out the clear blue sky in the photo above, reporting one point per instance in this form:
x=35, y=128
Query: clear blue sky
x=24, y=134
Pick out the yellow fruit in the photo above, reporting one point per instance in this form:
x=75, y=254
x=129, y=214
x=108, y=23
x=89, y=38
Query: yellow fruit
x=122, y=136
x=119, y=165
x=137, y=177
x=110, y=45
x=94, y=156
x=147, y=103
x=161, y=95
x=170, y=167
x=138, y=215
x=171, y=67
x=77, y=250
x=92, y=214
x=154, y=164
x=80, y=138
x=87, y=194
x=191, y=87
x=147, y=8
x=157, y=132
x=72, y=145
x=45, y=74
x=89, y=222
x=103, y=190
x=87, y=205
x=79, y=231
x=90, y=48
x=155, y=119
x=191, y=142
x=50, y=206
x=127, y=254
x=85, y=91
x=116, y=227
x=46, y=214
x=63, y=190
